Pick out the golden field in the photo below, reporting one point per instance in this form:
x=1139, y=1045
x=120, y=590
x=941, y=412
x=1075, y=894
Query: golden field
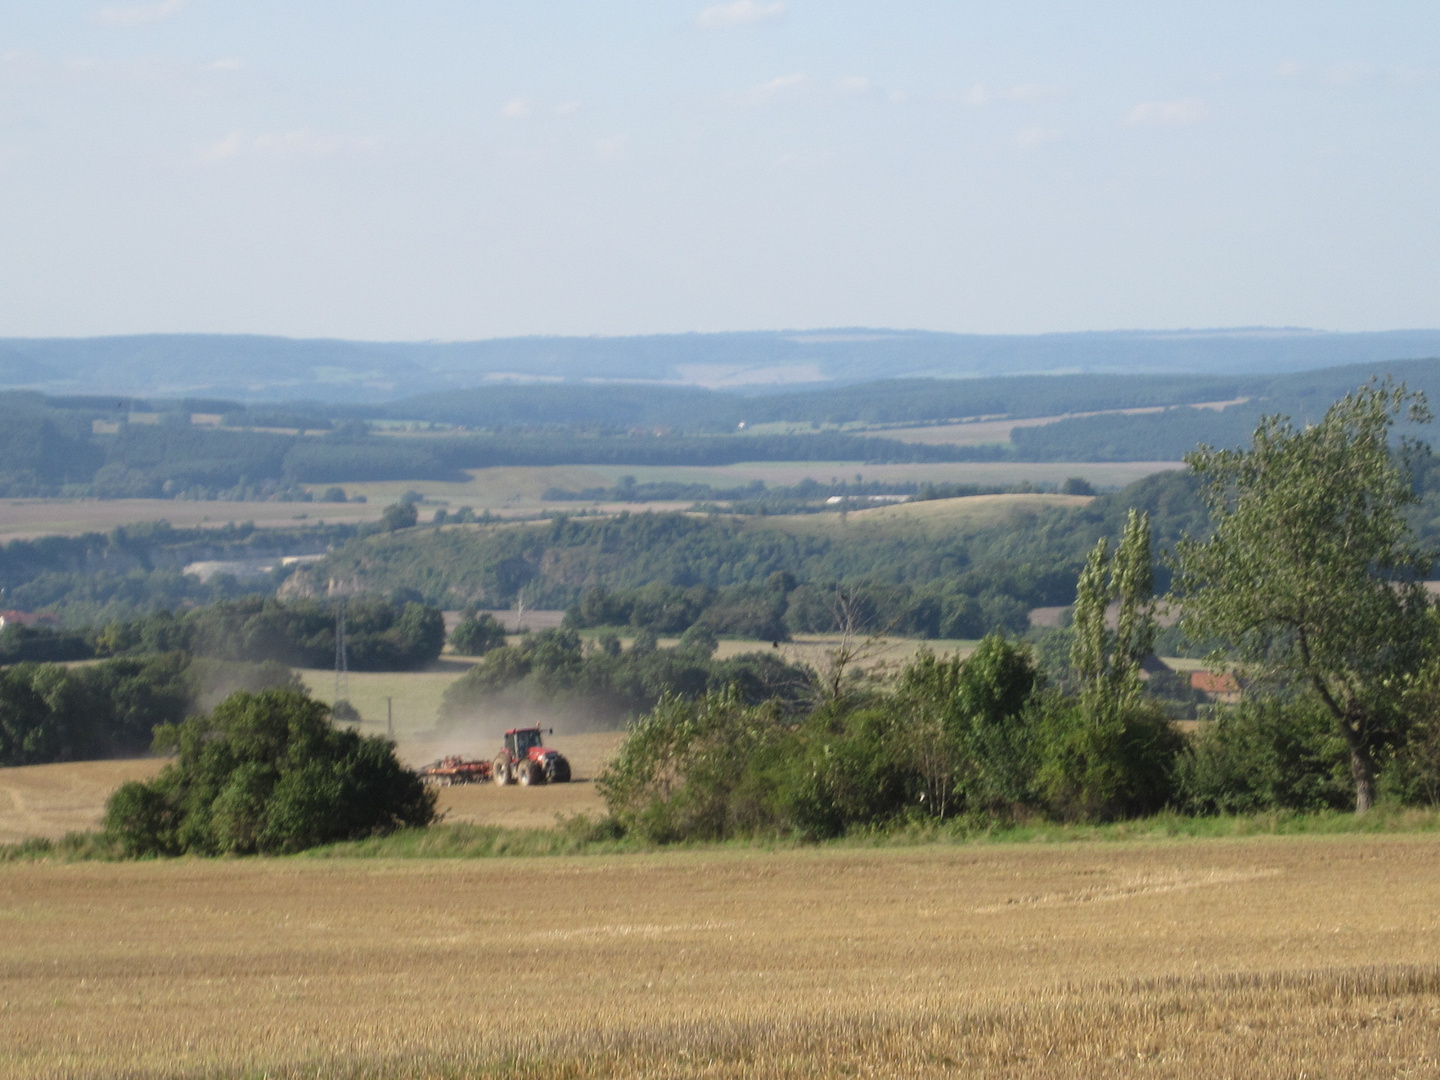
x=1267, y=957
x=961, y=516
x=25, y=519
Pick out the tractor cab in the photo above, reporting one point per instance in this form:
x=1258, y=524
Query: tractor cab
x=520, y=741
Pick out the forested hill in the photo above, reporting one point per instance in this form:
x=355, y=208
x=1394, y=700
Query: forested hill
x=255, y=368
x=1009, y=560
x=896, y=401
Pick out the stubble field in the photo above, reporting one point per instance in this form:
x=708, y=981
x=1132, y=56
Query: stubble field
x=1263, y=957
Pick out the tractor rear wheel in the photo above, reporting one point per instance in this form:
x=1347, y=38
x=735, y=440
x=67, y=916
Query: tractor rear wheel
x=530, y=774
x=501, y=771
x=557, y=770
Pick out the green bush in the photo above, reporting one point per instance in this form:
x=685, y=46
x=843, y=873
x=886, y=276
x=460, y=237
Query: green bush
x=266, y=773
x=1104, y=761
x=972, y=726
x=1266, y=754
x=682, y=772
x=843, y=769
x=477, y=634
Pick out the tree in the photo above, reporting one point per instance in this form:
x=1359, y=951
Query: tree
x=1108, y=752
x=1312, y=572
x=401, y=515
x=968, y=725
x=477, y=634
x=266, y=773
x=1108, y=662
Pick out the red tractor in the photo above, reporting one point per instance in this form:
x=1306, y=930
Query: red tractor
x=525, y=758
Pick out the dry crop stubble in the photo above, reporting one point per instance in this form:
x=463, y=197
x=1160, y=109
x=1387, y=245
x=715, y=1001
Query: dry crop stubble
x=1262, y=957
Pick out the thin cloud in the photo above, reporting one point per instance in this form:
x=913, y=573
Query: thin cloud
x=739, y=13
x=855, y=84
x=229, y=63
x=1167, y=114
x=139, y=14
x=1347, y=72
x=300, y=142
x=222, y=149
x=1031, y=137
x=1029, y=93
x=613, y=146
x=516, y=109
x=773, y=88
x=1020, y=94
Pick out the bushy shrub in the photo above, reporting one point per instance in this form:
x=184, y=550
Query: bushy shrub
x=266, y=773
x=1103, y=763
x=1413, y=774
x=476, y=634
x=683, y=769
x=397, y=516
x=843, y=768
x=1268, y=753
x=972, y=726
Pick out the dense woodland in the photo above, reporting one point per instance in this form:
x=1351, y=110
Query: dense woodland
x=953, y=583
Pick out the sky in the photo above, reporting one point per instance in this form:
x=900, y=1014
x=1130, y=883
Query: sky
x=445, y=170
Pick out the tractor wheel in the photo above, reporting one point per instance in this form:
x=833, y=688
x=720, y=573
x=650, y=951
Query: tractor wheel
x=557, y=771
x=501, y=771
x=530, y=774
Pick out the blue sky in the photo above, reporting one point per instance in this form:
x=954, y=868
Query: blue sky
x=450, y=170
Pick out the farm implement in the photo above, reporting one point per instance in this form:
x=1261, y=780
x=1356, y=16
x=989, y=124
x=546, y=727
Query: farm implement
x=523, y=759
x=456, y=770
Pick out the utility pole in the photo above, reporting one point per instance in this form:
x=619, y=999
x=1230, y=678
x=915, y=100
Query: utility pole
x=389, y=719
x=342, y=654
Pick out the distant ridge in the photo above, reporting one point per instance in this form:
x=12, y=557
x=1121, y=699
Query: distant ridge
x=256, y=368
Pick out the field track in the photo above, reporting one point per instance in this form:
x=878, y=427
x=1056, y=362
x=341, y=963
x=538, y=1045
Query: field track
x=1257, y=958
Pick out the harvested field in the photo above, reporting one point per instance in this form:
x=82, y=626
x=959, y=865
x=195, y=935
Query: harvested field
x=933, y=517
x=1099, y=473
x=25, y=519
x=52, y=800
x=1258, y=958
